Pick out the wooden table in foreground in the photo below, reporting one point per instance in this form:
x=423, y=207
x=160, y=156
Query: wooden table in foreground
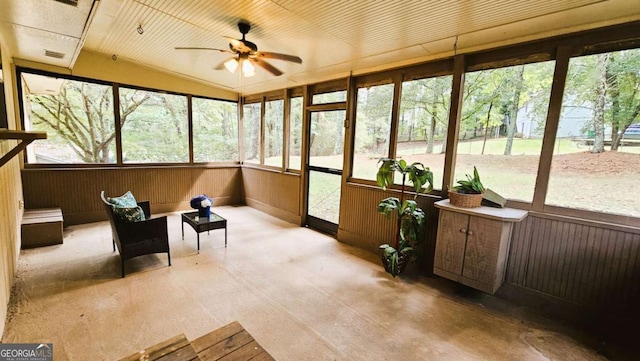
x=173, y=349
x=228, y=343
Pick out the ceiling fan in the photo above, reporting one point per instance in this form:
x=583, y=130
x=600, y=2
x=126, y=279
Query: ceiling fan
x=246, y=54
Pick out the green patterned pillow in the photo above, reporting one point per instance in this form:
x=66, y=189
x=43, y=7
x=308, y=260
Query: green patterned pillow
x=125, y=208
x=124, y=201
x=129, y=214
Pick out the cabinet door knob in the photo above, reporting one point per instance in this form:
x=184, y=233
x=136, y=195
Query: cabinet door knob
x=463, y=230
x=470, y=233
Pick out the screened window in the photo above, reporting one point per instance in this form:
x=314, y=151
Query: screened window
x=77, y=117
x=422, y=123
x=215, y=130
x=373, y=126
x=504, y=113
x=295, y=133
x=331, y=97
x=251, y=128
x=597, y=155
x=273, y=132
x=326, y=139
x=154, y=127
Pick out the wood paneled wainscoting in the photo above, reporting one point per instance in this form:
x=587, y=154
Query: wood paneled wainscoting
x=583, y=270
x=10, y=216
x=273, y=192
x=578, y=270
x=362, y=226
x=77, y=190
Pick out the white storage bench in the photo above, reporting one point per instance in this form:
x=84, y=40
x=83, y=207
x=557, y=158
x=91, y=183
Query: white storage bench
x=41, y=227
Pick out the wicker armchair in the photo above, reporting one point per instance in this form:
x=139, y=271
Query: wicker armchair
x=135, y=239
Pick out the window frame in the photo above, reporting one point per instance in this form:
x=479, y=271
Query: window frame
x=115, y=86
x=290, y=94
x=559, y=48
x=440, y=67
x=367, y=82
x=192, y=160
x=189, y=127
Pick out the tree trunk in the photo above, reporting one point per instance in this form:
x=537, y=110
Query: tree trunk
x=513, y=112
x=616, y=136
x=430, y=135
x=432, y=124
x=225, y=123
x=598, y=112
x=443, y=150
x=614, y=93
x=486, y=128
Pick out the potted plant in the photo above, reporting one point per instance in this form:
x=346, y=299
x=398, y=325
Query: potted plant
x=409, y=217
x=469, y=192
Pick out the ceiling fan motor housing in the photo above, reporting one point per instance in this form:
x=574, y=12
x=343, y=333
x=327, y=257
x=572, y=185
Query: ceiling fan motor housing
x=244, y=29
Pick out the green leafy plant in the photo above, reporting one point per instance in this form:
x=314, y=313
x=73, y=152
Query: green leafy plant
x=472, y=185
x=409, y=217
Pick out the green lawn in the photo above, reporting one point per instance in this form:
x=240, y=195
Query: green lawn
x=513, y=176
x=496, y=146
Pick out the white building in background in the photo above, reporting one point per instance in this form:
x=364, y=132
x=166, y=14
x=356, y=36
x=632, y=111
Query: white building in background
x=573, y=123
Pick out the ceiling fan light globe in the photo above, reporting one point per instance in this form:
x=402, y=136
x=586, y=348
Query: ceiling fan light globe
x=231, y=65
x=248, y=69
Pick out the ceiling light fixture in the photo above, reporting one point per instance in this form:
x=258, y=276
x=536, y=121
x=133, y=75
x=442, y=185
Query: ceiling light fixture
x=140, y=30
x=248, y=69
x=231, y=64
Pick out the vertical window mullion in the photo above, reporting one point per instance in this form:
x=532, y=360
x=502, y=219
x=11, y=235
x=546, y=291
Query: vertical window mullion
x=455, y=111
x=261, y=137
x=190, y=126
x=116, y=113
x=241, y=145
x=551, y=128
x=286, y=129
x=395, y=110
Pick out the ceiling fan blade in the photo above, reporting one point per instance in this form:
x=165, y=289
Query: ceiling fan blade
x=270, y=68
x=196, y=48
x=285, y=57
x=221, y=65
x=238, y=45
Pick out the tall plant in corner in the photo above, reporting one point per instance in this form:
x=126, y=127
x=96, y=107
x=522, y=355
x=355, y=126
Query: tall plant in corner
x=408, y=216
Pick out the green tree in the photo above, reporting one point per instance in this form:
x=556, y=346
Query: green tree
x=373, y=119
x=157, y=131
x=295, y=120
x=483, y=94
x=425, y=105
x=215, y=130
x=81, y=115
x=602, y=61
x=273, y=128
x=608, y=85
x=251, y=120
x=516, y=82
x=623, y=84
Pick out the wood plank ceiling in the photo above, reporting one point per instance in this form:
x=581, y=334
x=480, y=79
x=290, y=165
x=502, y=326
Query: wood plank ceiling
x=333, y=37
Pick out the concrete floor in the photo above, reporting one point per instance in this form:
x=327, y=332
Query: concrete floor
x=301, y=294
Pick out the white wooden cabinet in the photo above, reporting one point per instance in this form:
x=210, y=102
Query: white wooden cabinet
x=473, y=244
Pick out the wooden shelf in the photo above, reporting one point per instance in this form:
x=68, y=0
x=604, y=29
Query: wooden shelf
x=25, y=139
